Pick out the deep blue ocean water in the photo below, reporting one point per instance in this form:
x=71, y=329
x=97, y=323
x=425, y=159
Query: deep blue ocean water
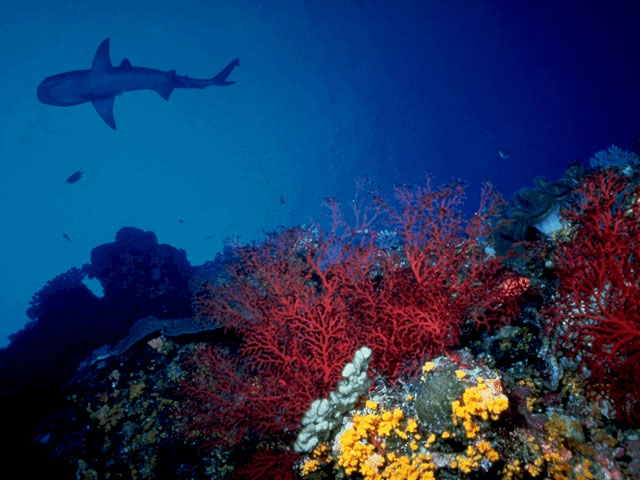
x=326, y=92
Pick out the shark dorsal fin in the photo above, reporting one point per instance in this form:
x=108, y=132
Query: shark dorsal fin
x=104, y=107
x=101, y=61
x=126, y=63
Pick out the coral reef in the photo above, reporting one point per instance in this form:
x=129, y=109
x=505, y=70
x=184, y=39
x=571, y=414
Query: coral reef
x=393, y=434
x=395, y=345
x=596, y=307
x=533, y=212
x=303, y=301
x=139, y=276
x=327, y=414
x=122, y=423
x=146, y=277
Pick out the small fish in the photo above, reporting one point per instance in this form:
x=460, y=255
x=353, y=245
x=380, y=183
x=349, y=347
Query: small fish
x=504, y=154
x=66, y=237
x=208, y=237
x=73, y=178
x=180, y=220
x=281, y=200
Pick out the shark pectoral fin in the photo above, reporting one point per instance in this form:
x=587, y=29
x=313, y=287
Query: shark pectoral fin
x=167, y=87
x=101, y=61
x=104, y=107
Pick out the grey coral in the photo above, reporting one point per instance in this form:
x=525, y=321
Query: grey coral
x=326, y=415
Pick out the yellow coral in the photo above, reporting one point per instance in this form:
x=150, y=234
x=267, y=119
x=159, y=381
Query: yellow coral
x=412, y=425
x=390, y=421
x=485, y=449
x=431, y=439
x=468, y=462
x=531, y=402
x=418, y=467
x=583, y=470
x=310, y=466
x=427, y=367
x=481, y=402
x=496, y=406
x=535, y=468
x=319, y=456
x=363, y=448
x=511, y=470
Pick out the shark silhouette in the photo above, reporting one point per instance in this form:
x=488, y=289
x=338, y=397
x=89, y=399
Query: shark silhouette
x=103, y=82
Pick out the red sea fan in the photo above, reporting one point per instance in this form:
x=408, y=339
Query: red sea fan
x=597, y=305
x=269, y=464
x=296, y=331
x=441, y=277
x=304, y=300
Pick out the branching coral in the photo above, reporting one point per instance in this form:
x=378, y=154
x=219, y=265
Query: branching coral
x=443, y=276
x=304, y=300
x=597, y=305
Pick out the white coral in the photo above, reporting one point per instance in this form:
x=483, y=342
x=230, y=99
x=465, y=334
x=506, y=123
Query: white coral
x=327, y=414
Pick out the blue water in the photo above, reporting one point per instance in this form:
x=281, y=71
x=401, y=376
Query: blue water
x=327, y=91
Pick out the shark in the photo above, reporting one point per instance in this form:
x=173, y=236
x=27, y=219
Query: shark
x=104, y=82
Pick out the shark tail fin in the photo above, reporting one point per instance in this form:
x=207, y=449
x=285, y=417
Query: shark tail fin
x=221, y=78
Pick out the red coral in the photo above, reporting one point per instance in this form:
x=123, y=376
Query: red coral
x=268, y=464
x=442, y=277
x=294, y=322
x=597, y=305
x=218, y=398
x=304, y=300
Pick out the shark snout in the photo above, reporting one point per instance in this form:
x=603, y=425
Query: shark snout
x=44, y=92
x=60, y=90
